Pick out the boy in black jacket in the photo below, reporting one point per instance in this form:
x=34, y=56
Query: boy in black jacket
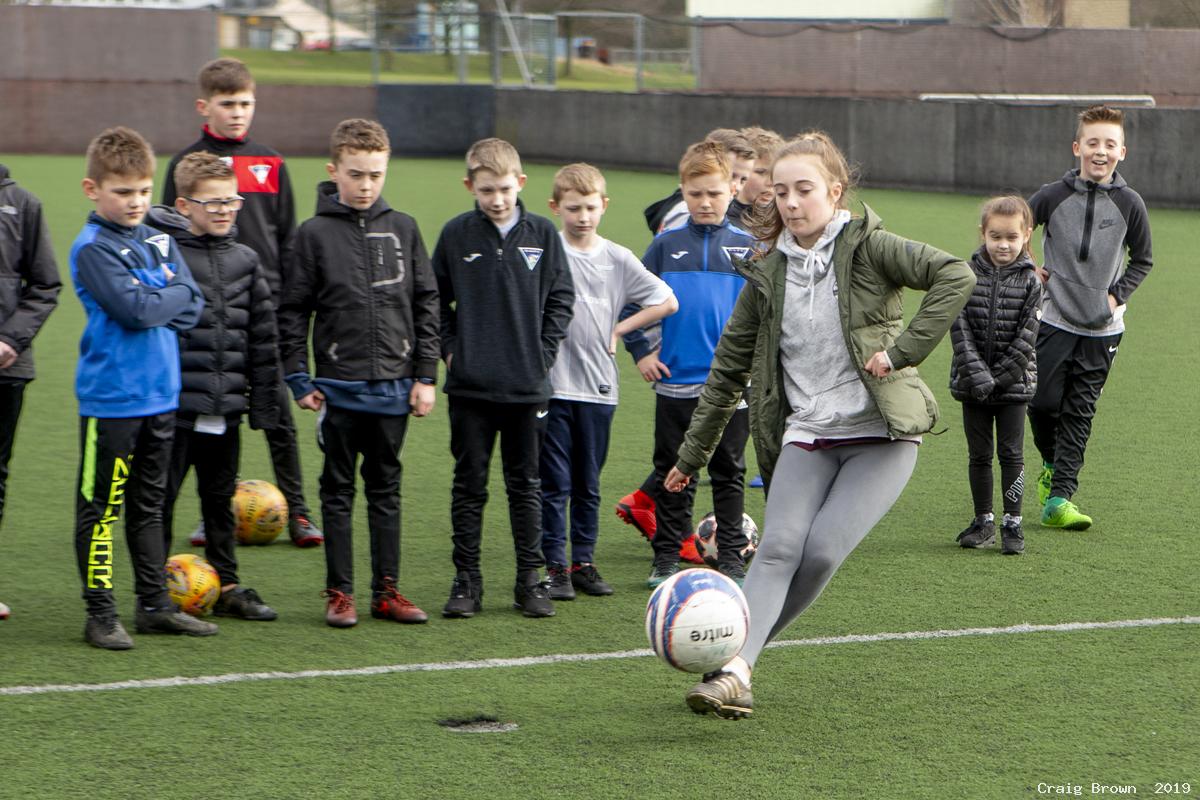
x=29, y=286
x=267, y=224
x=229, y=364
x=507, y=299
x=361, y=268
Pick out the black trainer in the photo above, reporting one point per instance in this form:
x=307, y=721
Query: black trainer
x=169, y=619
x=106, y=631
x=659, y=573
x=244, y=603
x=586, y=578
x=734, y=570
x=1012, y=539
x=980, y=533
x=531, y=596
x=559, y=579
x=466, y=597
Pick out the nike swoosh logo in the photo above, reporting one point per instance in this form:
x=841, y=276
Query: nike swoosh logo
x=1112, y=349
x=1107, y=223
x=542, y=414
x=471, y=257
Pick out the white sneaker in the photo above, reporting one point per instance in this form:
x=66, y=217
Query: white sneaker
x=4, y=611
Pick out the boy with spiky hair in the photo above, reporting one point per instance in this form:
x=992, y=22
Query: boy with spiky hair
x=137, y=292
x=1091, y=219
x=507, y=299
x=29, y=286
x=267, y=224
x=698, y=262
x=229, y=363
x=361, y=270
x=584, y=377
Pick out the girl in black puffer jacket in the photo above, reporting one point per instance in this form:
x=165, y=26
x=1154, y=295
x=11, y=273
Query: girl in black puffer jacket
x=994, y=371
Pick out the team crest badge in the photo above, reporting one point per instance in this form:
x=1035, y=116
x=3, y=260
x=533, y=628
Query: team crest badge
x=161, y=243
x=532, y=256
x=736, y=253
x=261, y=172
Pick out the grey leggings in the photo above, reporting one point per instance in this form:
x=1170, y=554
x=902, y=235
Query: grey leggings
x=821, y=505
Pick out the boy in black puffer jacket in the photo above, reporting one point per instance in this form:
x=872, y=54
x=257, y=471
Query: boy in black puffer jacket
x=994, y=371
x=229, y=364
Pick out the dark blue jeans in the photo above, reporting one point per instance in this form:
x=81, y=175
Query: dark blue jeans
x=573, y=453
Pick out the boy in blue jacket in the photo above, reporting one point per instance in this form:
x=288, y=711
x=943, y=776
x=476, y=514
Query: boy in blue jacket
x=137, y=292
x=697, y=261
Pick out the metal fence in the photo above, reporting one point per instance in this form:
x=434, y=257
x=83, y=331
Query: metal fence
x=458, y=43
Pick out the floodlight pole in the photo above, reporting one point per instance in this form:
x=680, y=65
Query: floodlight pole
x=638, y=38
x=375, y=45
x=497, y=56
x=462, y=44
x=567, y=31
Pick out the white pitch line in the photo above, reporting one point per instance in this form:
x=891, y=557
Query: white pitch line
x=571, y=658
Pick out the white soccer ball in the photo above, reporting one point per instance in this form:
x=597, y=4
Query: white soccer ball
x=697, y=620
x=706, y=539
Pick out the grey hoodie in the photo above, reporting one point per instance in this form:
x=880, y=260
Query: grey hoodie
x=822, y=385
x=1087, y=229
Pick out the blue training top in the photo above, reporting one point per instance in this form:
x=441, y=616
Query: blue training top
x=696, y=261
x=129, y=353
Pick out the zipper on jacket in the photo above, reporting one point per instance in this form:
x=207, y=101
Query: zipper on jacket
x=218, y=322
x=366, y=243
x=990, y=344
x=705, y=262
x=1085, y=245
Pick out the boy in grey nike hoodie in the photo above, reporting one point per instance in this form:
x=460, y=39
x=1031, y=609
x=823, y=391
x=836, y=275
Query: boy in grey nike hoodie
x=1091, y=218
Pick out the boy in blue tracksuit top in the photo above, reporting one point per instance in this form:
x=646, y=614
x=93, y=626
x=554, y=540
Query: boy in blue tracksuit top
x=697, y=261
x=137, y=292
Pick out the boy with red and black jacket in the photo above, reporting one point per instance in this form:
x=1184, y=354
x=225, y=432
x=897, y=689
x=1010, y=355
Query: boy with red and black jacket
x=229, y=365
x=267, y=224
x=507, y=300
x=360, y=267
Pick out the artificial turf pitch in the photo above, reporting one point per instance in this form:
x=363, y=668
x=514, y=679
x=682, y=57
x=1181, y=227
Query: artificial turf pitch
x=1006, y=716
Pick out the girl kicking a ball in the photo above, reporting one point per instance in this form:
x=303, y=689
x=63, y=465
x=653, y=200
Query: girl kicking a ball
x=838, y=408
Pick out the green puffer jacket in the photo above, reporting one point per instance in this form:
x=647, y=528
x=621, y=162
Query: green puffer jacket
x=872, y=268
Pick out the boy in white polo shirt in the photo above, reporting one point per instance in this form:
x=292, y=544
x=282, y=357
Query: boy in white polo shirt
x=607, y=276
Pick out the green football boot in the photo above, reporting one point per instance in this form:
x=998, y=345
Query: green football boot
x=1043, y=483
x=1062, y=513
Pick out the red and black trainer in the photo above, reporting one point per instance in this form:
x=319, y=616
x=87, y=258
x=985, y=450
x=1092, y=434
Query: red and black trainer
x=390, y=604
x=689, y=552
x=304, y=533
x=339, y=609
x=637, y=509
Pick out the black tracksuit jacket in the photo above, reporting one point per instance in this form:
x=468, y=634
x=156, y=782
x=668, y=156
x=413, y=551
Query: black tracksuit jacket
x=267, y=223
x=506, y=305
x=366, y=277
x=995, y=336
x=229, y=362
x=29, y=282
